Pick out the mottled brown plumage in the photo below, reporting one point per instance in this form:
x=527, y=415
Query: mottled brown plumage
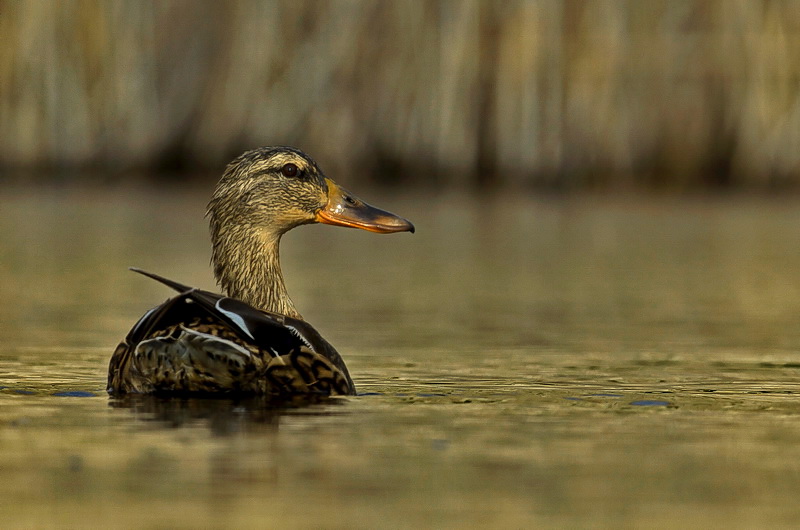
x=253, y=340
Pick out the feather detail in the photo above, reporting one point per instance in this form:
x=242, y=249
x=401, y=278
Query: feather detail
x=203, y=342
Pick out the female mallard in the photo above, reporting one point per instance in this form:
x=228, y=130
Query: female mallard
x=253, y=340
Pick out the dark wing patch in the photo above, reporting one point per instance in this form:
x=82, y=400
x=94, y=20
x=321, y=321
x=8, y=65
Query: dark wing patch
x=262, y=327
x=249, y=324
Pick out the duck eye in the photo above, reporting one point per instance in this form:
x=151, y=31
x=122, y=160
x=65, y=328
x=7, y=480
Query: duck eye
x=290, y=170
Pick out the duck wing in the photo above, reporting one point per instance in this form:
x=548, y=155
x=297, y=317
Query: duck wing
x=204, y=342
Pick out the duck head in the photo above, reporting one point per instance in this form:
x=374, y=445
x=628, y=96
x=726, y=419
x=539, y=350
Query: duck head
x=279, y=188
x=263, y=194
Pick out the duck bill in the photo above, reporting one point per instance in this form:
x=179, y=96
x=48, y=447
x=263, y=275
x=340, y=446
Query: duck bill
x=344, y=209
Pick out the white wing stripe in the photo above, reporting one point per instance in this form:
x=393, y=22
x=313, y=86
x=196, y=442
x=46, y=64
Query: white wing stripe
x=187, y=336
x=234, y=317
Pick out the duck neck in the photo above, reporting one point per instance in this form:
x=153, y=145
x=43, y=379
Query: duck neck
x=247, y=266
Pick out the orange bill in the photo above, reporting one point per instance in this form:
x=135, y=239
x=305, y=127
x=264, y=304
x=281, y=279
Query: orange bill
x=344, y=209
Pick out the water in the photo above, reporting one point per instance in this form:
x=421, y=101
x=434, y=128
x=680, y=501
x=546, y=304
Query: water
x=522, y=362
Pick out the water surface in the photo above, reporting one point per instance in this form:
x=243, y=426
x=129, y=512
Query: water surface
x=553, y=362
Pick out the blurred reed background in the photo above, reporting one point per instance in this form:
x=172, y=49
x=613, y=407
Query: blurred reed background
x=547, y=93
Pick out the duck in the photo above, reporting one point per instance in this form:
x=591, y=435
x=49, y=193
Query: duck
x=250, y=340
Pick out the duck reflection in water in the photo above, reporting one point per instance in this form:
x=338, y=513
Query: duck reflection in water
x=223, y=416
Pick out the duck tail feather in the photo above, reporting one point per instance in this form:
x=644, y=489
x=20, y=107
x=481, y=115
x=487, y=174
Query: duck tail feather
x=169, y=283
